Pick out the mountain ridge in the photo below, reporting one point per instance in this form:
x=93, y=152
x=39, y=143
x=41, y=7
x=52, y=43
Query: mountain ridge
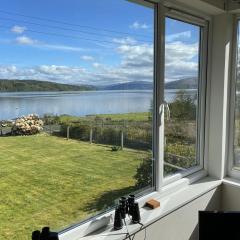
x=185, y=83
x=39, y=86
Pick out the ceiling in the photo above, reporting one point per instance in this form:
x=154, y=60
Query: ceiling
x=212, y=7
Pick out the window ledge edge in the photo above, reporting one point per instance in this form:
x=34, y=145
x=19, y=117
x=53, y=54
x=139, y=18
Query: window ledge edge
x=171, y=198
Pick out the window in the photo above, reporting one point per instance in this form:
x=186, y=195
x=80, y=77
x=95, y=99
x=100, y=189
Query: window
x=236, y=155
x=182, y=95
x=76, y=94
x=81, y=99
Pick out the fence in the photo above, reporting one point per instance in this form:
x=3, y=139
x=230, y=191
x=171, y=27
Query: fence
x=120, y=133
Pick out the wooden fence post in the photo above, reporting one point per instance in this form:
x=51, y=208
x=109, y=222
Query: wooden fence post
x=122, y=138
x=91, y=136
x=68, y=132
x=51, y=131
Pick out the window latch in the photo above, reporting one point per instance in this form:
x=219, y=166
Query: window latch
x=162, y=110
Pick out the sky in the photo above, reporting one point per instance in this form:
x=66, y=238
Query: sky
x=90, y=42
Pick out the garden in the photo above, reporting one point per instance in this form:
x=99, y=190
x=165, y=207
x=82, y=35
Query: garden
x=59, y=170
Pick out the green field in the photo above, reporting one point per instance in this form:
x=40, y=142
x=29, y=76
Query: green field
x=46, y=180
x=142, y=116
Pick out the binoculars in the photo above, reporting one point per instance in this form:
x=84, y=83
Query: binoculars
x=45, y=235
x=126, y=206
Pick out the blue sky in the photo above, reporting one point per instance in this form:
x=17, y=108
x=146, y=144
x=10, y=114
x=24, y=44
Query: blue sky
x=89, y=42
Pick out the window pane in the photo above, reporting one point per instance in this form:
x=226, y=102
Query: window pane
x=76, y=94
x=181, y=94
x=237, y=108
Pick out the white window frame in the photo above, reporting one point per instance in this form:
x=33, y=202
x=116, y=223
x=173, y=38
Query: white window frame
x=232, y=171
x=167, y=185
x=180, y=15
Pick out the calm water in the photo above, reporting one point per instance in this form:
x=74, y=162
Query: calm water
x=13, y=105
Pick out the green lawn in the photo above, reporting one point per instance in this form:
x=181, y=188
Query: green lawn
x=142, y=116
x=47, y=180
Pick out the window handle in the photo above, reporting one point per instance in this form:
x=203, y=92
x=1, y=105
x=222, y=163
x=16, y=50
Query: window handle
x=166, y=105
x=162, y=107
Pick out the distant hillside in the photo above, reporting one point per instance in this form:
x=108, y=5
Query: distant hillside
x=186, y=83
x=38, y=86
x=41, y=86
x=137, y=85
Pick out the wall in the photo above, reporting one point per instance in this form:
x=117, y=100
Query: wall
x=183, y=223
x=219, y=94
x=230, y=197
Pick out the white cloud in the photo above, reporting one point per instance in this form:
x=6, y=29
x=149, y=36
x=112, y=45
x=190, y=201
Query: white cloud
x=87, y=58
x=18, y=29
x=127, y=40
x=61, y=74
x=136, y=64
x=24, y=40
x=96, y=64
x=138, y=56
x=137, y=25
x=178, y=36
x=178, y=51
x=59, y=47
x=181, y=60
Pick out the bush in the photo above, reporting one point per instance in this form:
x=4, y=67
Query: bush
x=183, y=107
x=106, y=135
x=27, y=125
x=180, y=155
x=77, y=131
x=50, y=119
x=180, y=131
x=144, y=175
x=115, y=148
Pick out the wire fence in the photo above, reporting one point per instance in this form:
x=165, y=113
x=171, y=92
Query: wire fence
x=119, y=133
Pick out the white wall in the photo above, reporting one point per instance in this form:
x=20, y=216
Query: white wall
x=230, y=197
x=183, y=223
x=219, y=94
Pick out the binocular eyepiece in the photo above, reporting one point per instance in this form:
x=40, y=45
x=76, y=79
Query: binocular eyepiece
x=126, y=206
x=44, y=235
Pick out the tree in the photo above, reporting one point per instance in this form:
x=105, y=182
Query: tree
x=183, y=107
x=150, y=114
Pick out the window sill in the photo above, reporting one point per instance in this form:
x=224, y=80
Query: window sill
x=231, y=181
x=171, y=198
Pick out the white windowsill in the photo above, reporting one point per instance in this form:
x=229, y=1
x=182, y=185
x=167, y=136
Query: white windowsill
x=171, y=198
x=231, y=181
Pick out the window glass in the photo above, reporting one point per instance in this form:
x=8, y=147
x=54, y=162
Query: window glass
x=76, y=90
x=182, y=70
x=237, y=108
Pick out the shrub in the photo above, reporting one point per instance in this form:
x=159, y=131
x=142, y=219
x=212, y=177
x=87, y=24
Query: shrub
x=50, y=119
x=180, y=155
x=77, y=131
x=115, y=148
x=144, y=173
x=107, y=135
x=183, y=107
x=27, y=125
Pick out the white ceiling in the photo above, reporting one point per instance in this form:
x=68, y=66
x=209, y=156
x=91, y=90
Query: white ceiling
x=212, y=7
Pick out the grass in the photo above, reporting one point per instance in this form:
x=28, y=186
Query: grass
x=47, y=180
x=142, y=116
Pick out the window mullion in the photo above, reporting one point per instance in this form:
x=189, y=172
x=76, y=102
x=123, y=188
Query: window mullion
x=159, y=93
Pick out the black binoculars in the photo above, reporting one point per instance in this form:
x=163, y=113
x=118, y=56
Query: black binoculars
x=45, y=235
x=127, y=206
